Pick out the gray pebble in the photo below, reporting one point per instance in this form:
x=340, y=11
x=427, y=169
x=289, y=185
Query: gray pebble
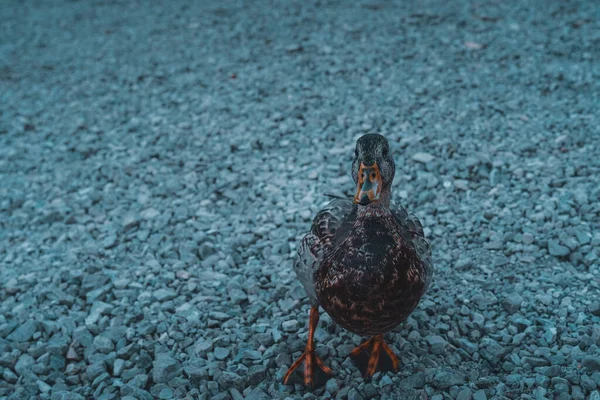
x=166, y=393
x=256, y=374
x=95, y=369
x=512, y=302
x=479, y=395
x=43, y=386
x=228, y=380
x=594, y=308
x=102, y=344
x=527, y=238
x=444, y=379
x=221, y=353
x=464, y=394
x=592, y=363
x=422, y=157
x=165, y=368
x=331, y=386
x=290, y=326
x=555, y=249
x=438, y=344
x=163, y=294
x=24, y=332
x=354, y=395
x=118, y=367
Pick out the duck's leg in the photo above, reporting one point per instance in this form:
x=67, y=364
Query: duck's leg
x=309, y=357
x=375, y=345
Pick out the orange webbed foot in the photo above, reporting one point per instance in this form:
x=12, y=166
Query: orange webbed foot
x=310, y=361
x=309, y=357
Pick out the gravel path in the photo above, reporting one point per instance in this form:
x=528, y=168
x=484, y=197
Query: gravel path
x=161, y=160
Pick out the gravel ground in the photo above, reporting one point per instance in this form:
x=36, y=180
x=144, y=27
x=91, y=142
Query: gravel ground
x=161, y=160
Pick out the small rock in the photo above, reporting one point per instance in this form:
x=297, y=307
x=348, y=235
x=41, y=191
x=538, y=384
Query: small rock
x=10, y=376
x=446, y=378
x=464, y=394
x=555, y=249
x=592, y=363
x=251, y=355
x=512, y=302
x=182, y=274
x=256, y=374
x=492, y=351
x=139, y=381
x=95, y=369
x=354, y=395
x=103, y=345
x=64, y=395
x=290, y=326
x=24, y=332
x=545, y=299
x=202, y=346
x=100, y=378
x=422, y=157
x=127, y=351
x=165, y=368
x=527, y=238
x=229, y=379
x=221, y=353
x=43, y=386
x=166, y=393
x=196, y=373
x=463, y=264
x=385, y=381
x=118, y=367
x=331, y=386
x=594, y=308
x=110, y=241
x=479, y=395
x=587, y=383
x=164, y=294
x=549, y=334
x=72, y=354
x=437, y=343
x=414, y=381
x=98, y=308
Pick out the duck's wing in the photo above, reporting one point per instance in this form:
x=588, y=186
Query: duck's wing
x=318, y=242
x=414, y=229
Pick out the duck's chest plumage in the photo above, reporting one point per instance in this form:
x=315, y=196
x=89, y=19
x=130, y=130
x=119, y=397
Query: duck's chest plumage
x=373, y=276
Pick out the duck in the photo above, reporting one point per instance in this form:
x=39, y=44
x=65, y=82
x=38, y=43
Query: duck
x=365, y=262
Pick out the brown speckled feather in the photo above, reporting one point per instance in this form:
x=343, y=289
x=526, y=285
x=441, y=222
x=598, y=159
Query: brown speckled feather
x=317, y=243
x=376, y=271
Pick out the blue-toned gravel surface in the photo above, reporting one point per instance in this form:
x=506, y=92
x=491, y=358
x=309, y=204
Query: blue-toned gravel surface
x=159, y=162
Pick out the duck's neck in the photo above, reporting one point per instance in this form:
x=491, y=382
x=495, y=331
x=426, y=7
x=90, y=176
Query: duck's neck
x=385, y=196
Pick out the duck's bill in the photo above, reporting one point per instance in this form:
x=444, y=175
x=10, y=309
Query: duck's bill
x=369, y=184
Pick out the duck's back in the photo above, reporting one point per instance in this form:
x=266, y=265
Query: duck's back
x=376, y=271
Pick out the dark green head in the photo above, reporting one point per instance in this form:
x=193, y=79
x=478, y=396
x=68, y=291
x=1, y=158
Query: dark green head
x=373, y=168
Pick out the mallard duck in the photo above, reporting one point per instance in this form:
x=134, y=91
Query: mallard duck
x=365, y=261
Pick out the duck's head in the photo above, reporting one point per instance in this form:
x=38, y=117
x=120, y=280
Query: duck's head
x=373, y=168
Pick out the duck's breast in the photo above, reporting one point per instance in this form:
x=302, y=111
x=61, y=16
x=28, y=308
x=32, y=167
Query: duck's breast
x=372, y=280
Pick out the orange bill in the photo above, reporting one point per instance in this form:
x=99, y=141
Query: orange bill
x=369, y=184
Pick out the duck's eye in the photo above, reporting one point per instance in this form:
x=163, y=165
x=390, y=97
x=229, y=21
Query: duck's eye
x=373, y=176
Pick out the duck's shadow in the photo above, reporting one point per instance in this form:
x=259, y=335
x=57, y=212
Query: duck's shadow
x=361, y=360
x=320, y=378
